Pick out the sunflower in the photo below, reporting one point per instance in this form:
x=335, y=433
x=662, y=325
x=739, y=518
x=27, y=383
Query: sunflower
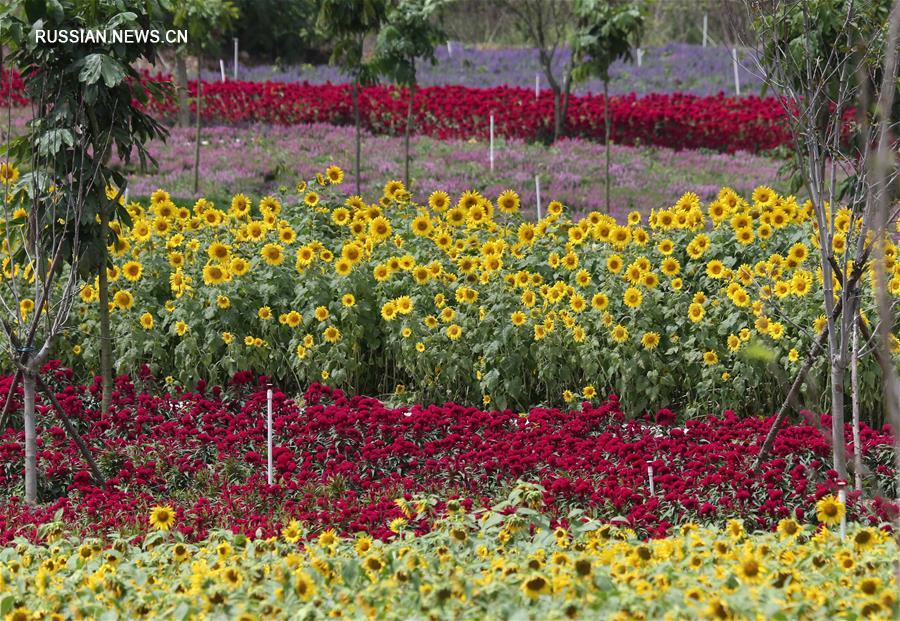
x=439, y=201
x=331, y=334
x=650, y=340
x=710, y=358
x=764, y=195
x=388, y=311
x=304, y=586
x=599, y=301
x=146, y=321
x=335, y=175
x=508, y=202
x=180, y=552
x=829, y=510
x=162, y=517
x=292, y=532
x=311, y=199
x=453, y=332
x=273, y=254
x=215, y=275
x=132, y=271
x=535, y=585
x=265, y=313
x=619, y=333
x=632, y=297
x=123, y=299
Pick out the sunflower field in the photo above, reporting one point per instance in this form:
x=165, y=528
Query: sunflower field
x=484, y=565
x=699, y=307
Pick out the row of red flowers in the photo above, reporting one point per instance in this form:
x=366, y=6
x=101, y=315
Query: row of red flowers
x=342, y=462
x=677, y=120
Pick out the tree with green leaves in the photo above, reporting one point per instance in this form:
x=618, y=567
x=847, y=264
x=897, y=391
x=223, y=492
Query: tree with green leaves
x=826, y=60
x=411, y=32
x=604, y=33
x=87, y=100
x=347, y=23
x=547, y=25
x=205, y=21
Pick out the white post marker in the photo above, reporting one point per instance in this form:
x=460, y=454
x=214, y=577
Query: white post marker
x=449, y=49
x=537, y=85
x=705, y=25
x=842, y=498
x=235, y=58
x=640, y=56
x=222, y=68
x=737, y=80
x=537, y=194
x=269, y=429
x=492, y=143
x=650, y=478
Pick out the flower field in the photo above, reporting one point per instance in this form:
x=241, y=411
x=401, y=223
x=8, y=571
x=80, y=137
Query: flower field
x=672, y=120
x=696, y=307
x=486, y=565
x=343, y=463
x=671, y=68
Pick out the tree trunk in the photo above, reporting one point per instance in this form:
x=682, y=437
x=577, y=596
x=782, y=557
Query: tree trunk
x=356, y=120
x=181, y=77
x=557, y=113
x=606, y=130
x=197, y=135
x=854, y=394
x=837, y=417
x=28, y=383
x=106, y=371
x=411, y=93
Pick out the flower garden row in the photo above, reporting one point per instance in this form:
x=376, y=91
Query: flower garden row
x=470, y=567
x=354, y=464
x=676, y=120
x=698, y=308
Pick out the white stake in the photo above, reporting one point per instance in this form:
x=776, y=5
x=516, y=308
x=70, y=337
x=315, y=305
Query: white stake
x=537, y=193
x=842, y=498
x=737, y=80
x=235, y=58
x=222, y=68
x=537, y=85
x=269, y=428
x=705, y=25
x=449, y=49
x=650, y=477
x=492, y=143
x=640, y=56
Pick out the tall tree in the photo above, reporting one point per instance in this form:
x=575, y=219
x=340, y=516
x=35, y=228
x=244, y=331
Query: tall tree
x=821, y=58
x=604, y=34
x=547, y=25
x=87, y=101
x=410, y=33
x=347, y=23
x=205, y=20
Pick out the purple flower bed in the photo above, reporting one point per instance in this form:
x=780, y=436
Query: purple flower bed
x=258, y=159
x=677, y=67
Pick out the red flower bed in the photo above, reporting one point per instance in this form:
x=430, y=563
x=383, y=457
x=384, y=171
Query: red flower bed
x=343, y=461
x=677, y=120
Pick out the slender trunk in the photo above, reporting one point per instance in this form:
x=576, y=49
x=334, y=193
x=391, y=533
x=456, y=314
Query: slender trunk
x=181, y=77
x=106, y=371
x=70, y=429
x=606, y=130
x=409, y=124
x=854, y=393
x=557, y=113
x=197, y=134
x=28, y=383
x=355, y=94
x=839, y=444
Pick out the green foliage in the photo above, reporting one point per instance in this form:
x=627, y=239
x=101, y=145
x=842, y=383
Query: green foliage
x=346, y=23
x=409, y=33
x=282, y=31
x=89, y=97
x=605, y=33
x=205, y=21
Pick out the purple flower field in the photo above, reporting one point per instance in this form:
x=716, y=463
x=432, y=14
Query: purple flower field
x=258, y=159
x=674, y=67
